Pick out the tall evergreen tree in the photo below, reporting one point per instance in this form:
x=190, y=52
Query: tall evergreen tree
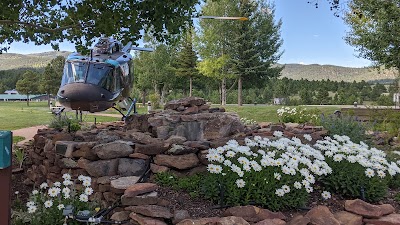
x=186, y=62
x=51, y=77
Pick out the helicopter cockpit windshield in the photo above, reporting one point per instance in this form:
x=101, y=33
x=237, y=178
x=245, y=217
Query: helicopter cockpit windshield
x=88, y=72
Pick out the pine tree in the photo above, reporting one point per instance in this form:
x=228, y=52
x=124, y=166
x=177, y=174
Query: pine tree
x=187, y=60
x=51, y=78
x=28, y=84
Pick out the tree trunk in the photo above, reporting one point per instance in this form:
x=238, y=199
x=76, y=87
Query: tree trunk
x=190, y=86
x=144, y=97
x=162, y=98
x=223, y=91
x=48, y=99
x=240, y=97
x=27, y=99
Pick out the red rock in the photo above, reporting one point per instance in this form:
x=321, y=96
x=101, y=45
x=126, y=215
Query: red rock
x=363, y=208
x=348, y=218
x=151, y=149
x=264, y=124
x=142, y=220
x=158, y=169
x=124, y=183
x=120, y=216
x=321, y=215
x=387, y=209
x=191, y=110
x=299, y=220
x=102, y=168
x=151, y=211
x=140, y=188
x=271, y=222
x=139, y=156
x=145, y=199
x=82, y=162
x=231, y=220
x=392, y=219
x=110, y=197
x=252, y=213
x=179, y=162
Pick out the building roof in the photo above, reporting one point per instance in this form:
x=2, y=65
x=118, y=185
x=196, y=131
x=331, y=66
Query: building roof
x=17, y=97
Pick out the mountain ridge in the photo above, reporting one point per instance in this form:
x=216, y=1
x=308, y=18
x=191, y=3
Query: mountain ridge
x=291, y=70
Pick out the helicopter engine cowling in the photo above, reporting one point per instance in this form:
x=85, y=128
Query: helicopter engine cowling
x=85, y=97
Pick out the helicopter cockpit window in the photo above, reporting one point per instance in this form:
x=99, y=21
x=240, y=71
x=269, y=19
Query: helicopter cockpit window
x=74, y=72
x=98, y=72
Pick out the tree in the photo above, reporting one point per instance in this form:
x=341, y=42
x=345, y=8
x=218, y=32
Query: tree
x=375, y=26
x=81, y=22
x=186, y=62
x=28, y=84
x=51, y=78
x=255, y=44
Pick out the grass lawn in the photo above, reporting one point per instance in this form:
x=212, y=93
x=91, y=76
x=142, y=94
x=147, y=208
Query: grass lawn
x=267, y=113
x=16, y=115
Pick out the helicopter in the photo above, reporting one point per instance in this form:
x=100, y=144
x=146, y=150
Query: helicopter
x=101, y=80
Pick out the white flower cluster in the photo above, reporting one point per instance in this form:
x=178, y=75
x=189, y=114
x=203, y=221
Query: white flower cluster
x=56, y=189
x=289, y=155
x=373, y=160
x=246, y=121
x=300, y=112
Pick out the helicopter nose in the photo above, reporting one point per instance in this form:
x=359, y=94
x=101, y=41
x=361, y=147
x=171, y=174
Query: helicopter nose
x=83, y=92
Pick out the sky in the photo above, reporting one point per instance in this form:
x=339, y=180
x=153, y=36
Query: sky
x=310, y=36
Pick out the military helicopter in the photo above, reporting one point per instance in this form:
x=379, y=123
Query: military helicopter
x=101, y=80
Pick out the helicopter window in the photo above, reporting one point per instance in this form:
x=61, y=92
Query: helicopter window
x=118, y=81
x=108, y=82
x=97, y=73
x=74, y=72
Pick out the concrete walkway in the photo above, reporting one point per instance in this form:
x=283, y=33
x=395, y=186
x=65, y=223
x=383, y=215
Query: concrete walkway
x=27, y=133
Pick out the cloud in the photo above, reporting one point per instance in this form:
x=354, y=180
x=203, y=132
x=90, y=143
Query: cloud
x=301, y=63
x=316, y=35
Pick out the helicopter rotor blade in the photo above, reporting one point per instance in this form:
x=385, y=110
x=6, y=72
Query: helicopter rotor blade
x=127, y=47
x=142, y=49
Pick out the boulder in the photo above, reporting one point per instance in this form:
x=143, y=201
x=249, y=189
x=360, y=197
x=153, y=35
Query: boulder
x=189, y=101
x=103, y=168
x=321, y=215
x=180, y=215
x=158, y=169
x=174, y=139
x=143, y=138
x=139, y=156
x=179, y=162
x=131, y=167
x=106, y=136
x=215, y=220
x=113, y=150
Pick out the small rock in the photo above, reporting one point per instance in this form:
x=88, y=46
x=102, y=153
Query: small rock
x=158, y=169
x=103, y=168
x=131, y=167
x=151, y=211
x=105, y=137
x=145, y=199
x=362, y=208
x=348, y=218
x=179, y=162
x=174, y=139
x=113, y=150
x=120, y=216
x=180, y=215
x=68, y=163
x=139, y=156
x=110, y=196
x=123, y=183
x=392, y=219
x=387, y=209
x=142, y=220
x=271, y=222
x=202, y=145
x=299, y=220
x=252, y=213
x=106, y=179
x=151, y=149
x=181, y=150
x=139, y=188
x=321, y=215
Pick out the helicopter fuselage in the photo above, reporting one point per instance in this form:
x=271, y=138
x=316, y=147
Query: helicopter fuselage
x=97, y=82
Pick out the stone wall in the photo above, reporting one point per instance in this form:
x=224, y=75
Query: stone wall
x=116, y=155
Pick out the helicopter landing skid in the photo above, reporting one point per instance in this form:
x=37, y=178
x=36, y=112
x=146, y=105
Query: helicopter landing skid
x=131, y=107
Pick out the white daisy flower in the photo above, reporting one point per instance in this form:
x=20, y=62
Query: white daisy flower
x=240, y=183
x=83, y=198
x=48, y=203
x=66, y=176
x=32, y=209
x=44, y=185
x=60, y=206
x=326, y=195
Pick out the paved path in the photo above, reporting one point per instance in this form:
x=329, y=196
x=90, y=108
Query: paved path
x=27, y=133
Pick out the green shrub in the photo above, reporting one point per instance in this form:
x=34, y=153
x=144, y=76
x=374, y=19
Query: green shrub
x=63, y=122
x=345, y=125
x=356, y=168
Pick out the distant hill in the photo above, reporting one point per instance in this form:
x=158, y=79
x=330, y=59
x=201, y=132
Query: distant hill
x=37, y=60
x=293, y=71
x=335, y=73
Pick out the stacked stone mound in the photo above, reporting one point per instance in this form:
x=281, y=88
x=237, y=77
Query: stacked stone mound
x=190, y=118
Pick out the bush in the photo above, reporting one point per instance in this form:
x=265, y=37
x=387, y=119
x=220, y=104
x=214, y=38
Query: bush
x=45, y=206
x=298, y=115
x=62, y=122
x=274, y=174
x=356, y=168
x=345, y=125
